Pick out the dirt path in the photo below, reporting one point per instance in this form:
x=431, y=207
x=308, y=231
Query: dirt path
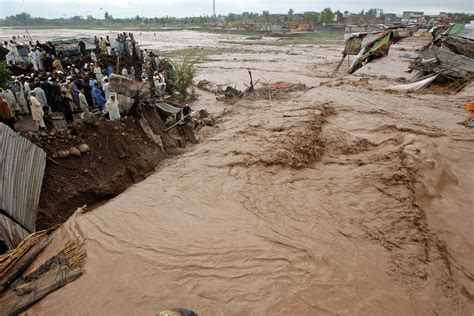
x=340, y=200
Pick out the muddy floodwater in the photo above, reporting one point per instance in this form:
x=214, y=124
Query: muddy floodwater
x=343, y=199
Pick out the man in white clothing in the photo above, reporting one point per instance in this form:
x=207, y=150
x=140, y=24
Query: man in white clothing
x=105, y=87
x=40, y=96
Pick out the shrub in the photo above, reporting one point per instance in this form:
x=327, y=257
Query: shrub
x=5, y=75
x=182, y=74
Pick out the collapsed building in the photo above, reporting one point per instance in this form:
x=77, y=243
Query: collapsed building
x=448, y=59
x=367, y=46
x=450, y=54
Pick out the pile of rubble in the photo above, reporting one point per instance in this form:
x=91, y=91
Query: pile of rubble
x=450, y=54
x=68, y=140
x=274, y=90
x=266, y=90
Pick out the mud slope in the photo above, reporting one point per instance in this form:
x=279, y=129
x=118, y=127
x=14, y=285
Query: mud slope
x=341, y=200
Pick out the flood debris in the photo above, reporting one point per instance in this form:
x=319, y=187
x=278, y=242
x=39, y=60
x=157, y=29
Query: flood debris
x=210, y=87
x=274, y=90
x=414, y=86
x=450, y=55
x=20, y=290
x=469, y=121
x=366, y=47
x=267, y=90
x=179, y=118
x=229, y=94
x=179, y=311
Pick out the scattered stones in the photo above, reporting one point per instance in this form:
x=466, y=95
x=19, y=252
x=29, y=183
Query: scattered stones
x=74, y=151
x=63, y=153
x=84, y=148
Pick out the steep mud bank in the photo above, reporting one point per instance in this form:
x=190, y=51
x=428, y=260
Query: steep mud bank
x=114, y=156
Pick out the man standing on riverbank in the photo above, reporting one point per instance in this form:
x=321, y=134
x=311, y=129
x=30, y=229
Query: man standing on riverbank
x=6, y=115
x=37, y=111
x=84, y=104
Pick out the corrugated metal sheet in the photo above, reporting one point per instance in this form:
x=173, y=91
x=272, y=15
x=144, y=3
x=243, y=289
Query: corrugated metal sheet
x=22, y=167
x=11, y=232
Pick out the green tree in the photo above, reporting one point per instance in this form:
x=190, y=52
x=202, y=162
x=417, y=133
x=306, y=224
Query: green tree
x=372, y=12
x=266, y=15
x=23, y=17
x=291, y=12
x=231, y=17
x=310, y=17
x=76, y=19
x=326, y=16
x=5, y=74
x=108, y=16
x=346, y=13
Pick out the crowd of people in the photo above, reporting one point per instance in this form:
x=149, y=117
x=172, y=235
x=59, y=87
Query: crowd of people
x=82, y=86
x=39, y=96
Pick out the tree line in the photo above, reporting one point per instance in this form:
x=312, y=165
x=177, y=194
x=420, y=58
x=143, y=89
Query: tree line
x=25, y=19
x=325, y=16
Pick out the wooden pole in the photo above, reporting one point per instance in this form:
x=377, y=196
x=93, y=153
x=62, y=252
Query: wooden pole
x=251, y=81
x=118, y=64
x=339, y=65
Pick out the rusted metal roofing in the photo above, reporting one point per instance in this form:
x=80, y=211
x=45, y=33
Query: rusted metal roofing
x=22, y=167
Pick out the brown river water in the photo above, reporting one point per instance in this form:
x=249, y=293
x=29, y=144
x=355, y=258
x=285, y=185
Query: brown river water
x=339, y=200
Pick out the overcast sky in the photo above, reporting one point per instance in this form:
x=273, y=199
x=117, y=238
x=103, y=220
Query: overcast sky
x=182, y=8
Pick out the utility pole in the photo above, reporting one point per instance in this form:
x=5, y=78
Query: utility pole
x=214, y=8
